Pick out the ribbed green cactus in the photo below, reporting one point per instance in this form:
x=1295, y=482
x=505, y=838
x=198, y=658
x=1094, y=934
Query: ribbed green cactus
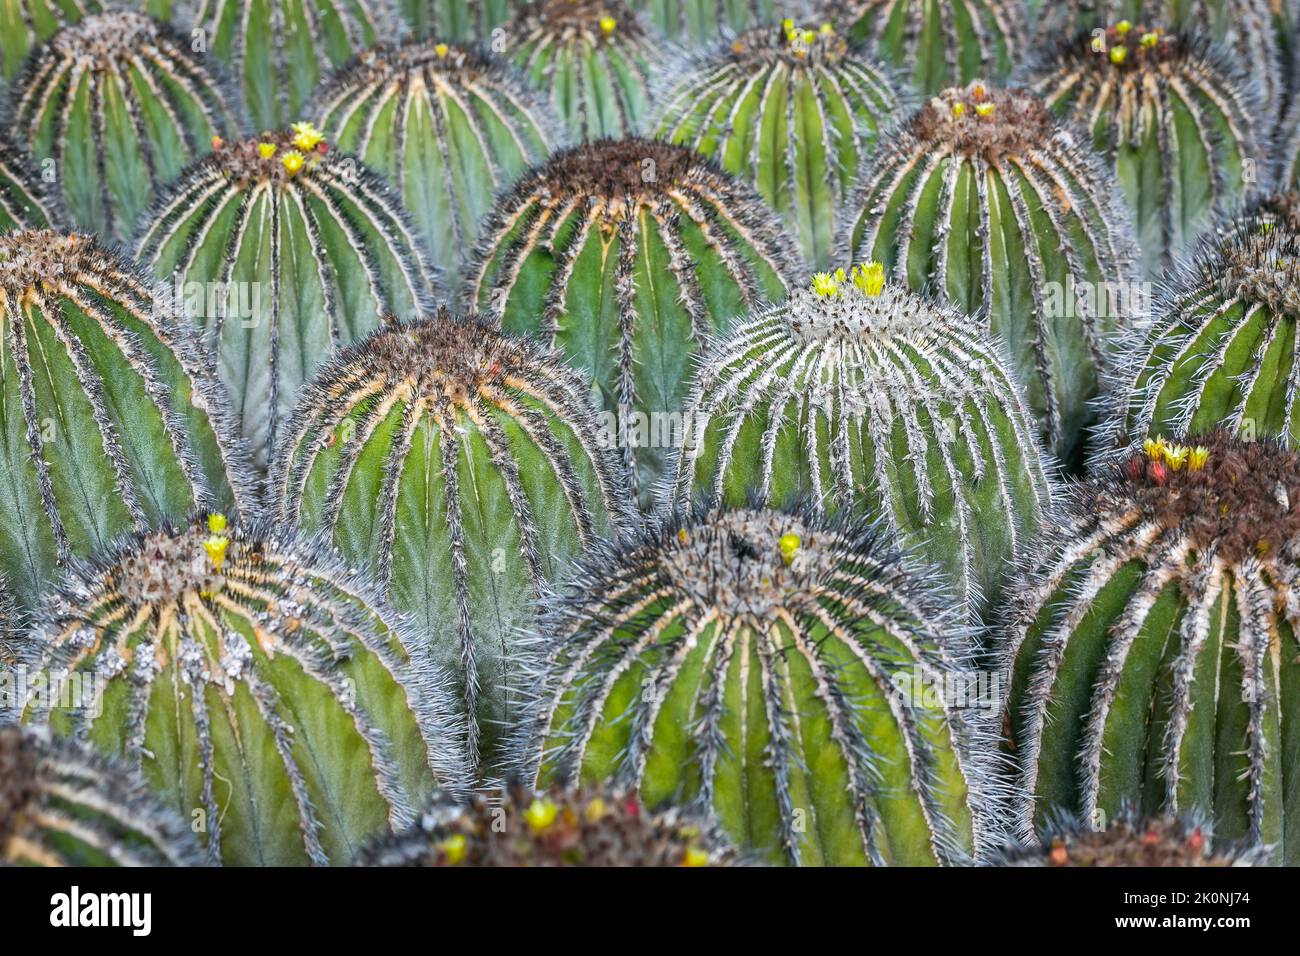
x=462, y=469
x=982, y=197
x=26, y=24
x=1176, y=123
x=593, y=58
x=24, y=201
x=938, y=43
x=1128, y=841
x=785, y=674
x=278, y=51
x=454, y=19
x=120, y=105
x=448, y=126
x=256, y=684
x=282, y=252
x=792, y=111
x=61, y=804
x=703, y=21
x=1153, y=650
x=864, y=396
x=626, y=255
x=112, y=421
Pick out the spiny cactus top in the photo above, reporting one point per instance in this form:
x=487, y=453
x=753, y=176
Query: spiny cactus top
x=61, y=804
x=1128, y=841
x=449, y=126
x=703, y=21
x=26, y=24
x=1177, y=123
x=861, y=394
x=769, y=668
x=626, y=254
x=1153, y=650
x=278, y=51
x=936, y=42
x=585, y=826
x=256, y=684
x=112, y=420
x=121, y=104
x=24, y=201
x=985, y=198
x=793, y=111
x=592, y=57
x=282, y=251
x=454, y=19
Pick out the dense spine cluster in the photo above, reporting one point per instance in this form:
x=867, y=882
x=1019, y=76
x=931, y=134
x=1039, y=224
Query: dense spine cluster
x=794, y=112
x=627, y=255
x=703, y=21
x=1153, y=651
x=120, y=104
x=866, y=396
x=463, y=470
x=282, y=251
x=1177, y=125
x=256, y=684
x=448, y=126
x=986, y=199
x=1128, y=841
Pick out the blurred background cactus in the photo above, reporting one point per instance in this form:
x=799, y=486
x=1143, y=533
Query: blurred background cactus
x=26, y=24
x=454, y=20
x=705, y=21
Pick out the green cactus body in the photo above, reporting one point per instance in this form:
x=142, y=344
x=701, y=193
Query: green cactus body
x=1178, y=128
x=278, y=51
x=257, y=686
x=592, y=57
x=463, y=470
x=886, y=404
x=938, y=43
x=26, y=24
x=120, y=104
x=10, y=628
x=987, y=200
x=455, y=20
x=626, y=255
x=449, y=127
x=24, y=202
x=112, y=421
x=703, y=21
x=61, y=804
x=794, y=113
x=283, y=252
x=1153, y=652
x=756, y=665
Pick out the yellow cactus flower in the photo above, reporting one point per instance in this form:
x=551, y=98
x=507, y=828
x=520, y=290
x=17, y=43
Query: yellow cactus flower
x=306, y=136
x=453, y=848
x=1118, y=55
x=1198, y=458
x=216, y=547
x=985, y=109
x=541, y=813
x=1150, y=39
x=958, y=109
x=870, y=278
x=789, y=547
x=824, y=285
x=293, y=161
x=608, y=25
x=595, y=810
x=1176, y=456
x=1123, y=27
x=216, y=523
x=442, y=50
x=827, y=29
x=266, y=150
x=695, y=857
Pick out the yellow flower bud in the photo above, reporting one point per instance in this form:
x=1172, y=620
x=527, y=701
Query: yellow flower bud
x=541, y=813
x=789, y=547
x=1118, y=55
x=824, y=285
x=607, y=25
x=1123, y=27
x=695, y=857
x=985, y=109
x=453, y=848
x=266, y=150
x=216, y=547
x=216, y=523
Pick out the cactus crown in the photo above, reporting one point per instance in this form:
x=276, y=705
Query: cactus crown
x=103, y=40
x=593, y=21
x=789, y=43
x=272, y=157
x=45, y=259
x=1127, y=49
x=622, y=174
x=980, y=120
x=1258, y=262
x=1128, y=840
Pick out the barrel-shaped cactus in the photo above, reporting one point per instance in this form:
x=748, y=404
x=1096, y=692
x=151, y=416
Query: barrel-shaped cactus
x=258, y=686
x=119, y=104
x=62, y=804
x=593, y=58
x=1152, y=650
x=782, y=673
x=278, y=51
x=703, y=21
x=112, y=420
x=792, y=111
x=26, y=24
x=463, y=469
x=454, y=20
x=282, y=251
x=937, y=43
x=25, y=203
x=1128, y=841
x=1176, y=122
x=985, y=199
x=448, y=126
x=865, y=396
x=626, y=255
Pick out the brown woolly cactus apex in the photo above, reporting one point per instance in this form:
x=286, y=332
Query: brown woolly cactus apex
x=1129, y=841
x=587, y=826
x=61, y=804
x=1153, y=652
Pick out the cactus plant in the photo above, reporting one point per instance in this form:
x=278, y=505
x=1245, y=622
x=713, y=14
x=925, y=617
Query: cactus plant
x=256, y=684
x=794, y=112
x=938, y=43
x=626, y=254
x=587, y=826
x=1128, y=841
x=593, y=57
x=1152, y=650
x=986, y=199
x=282, y=252
x=454, y=20
x=463, y=469
x=112, y=421
x=857, y=394
x=767, y=668
x=61, y=804
x=1176, y=123
x=26, y=24
x=702, y=21
x=278, y=51
x=24, y=201
x=448, y=126
x=120, y=104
